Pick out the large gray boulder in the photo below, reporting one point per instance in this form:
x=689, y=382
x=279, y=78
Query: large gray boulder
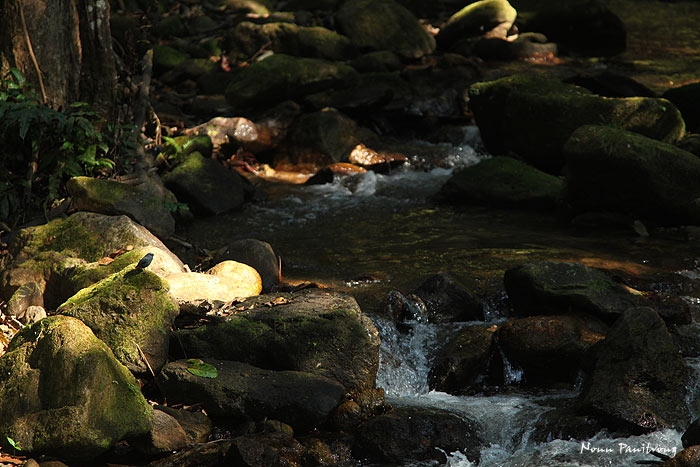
x=609, y=169
x=533, y=117
x=64, y=394
x=638, y=384
x=484, y=18
x=313, y=331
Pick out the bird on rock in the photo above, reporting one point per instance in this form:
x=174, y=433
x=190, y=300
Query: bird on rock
x=145, y=261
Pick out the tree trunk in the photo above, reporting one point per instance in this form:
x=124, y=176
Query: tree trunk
x=63, y=47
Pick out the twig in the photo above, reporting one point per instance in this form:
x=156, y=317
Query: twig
x=31, y=53
x=143, y=355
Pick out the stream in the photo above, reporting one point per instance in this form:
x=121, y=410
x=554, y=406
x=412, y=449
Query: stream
x=369, y=234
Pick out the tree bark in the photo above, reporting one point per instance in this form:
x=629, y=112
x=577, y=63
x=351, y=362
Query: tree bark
x=63, y=47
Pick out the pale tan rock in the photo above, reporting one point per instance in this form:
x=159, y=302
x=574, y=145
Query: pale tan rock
x=226, y=283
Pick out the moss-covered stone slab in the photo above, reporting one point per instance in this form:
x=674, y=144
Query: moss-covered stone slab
x=283, y=77
x=319, y=332
x=384, y=25
x=241, y=392
x=132, y=311
x=612, y=170
x=504, y=182
x=64, y=394
x=206, y=186
x=533, y=117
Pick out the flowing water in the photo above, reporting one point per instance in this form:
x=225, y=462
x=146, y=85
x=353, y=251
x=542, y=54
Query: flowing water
x=369, y=234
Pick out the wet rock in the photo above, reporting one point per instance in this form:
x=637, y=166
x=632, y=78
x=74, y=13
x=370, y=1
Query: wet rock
x=197, y=425
x=270, y=449
x=319, y=332
x=550, y=349
x=460, y=363
x=166, y=436
x=639, y=377
x=65, y=395
x=247, y=38
x=226, y=282
x=206, y=186
x=132, y=311
x=414, y=433
x=242, y=392
x=550, y=287
x=691, y=435
x=687, y=99
x=281, y=77
x=527, y=46
x=384, y=25
x=609, y=84
x=448, y=300
x=533, y=118
x=256, y=254
x=565, y=423
x=587, y=28
x=328, y=132
x=210, y=454
x=688, y=457
x=147, y=203
x=71, y=253
x=406, y=310
x=488, y=18
x=609, y=169
x=504, y=182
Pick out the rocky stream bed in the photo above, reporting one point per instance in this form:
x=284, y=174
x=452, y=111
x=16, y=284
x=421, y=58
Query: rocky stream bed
x=465, y=239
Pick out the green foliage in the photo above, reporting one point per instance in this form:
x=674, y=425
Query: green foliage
x=199, y=368
x=43, y=147
x=15, y=445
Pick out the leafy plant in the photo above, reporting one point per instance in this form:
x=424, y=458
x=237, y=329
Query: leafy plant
x=15, y=445
x=199, y=368
x=44, y=146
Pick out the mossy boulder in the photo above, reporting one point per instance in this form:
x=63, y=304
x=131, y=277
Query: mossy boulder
x=50, y=254
x=639, y=381
x=328, y=133
x=687, y=99
x=553, y=288
x=247, y=38
x=504, y=182
x=609, y=169
x=533, y=117
x=241, y=393
x=64, y=393
x=463, y=359
x=550, y=349
x=489, y=18
x=282, y=77
x=206, y=186
x=167, y=58
x=319, y=332
x=384, y=25
x=132, y=311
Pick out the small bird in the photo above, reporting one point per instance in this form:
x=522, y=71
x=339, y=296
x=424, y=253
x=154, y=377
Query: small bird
x=145, y=261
